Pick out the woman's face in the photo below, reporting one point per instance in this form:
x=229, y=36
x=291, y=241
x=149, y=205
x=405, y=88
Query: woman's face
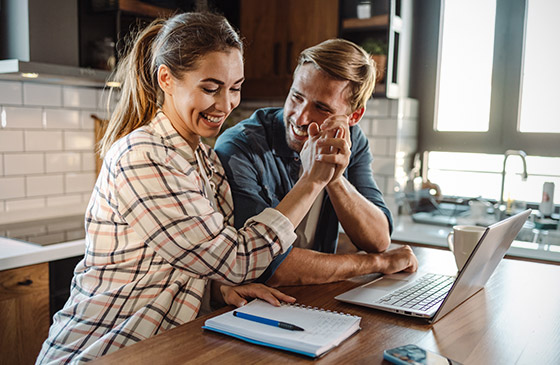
x=199, y=103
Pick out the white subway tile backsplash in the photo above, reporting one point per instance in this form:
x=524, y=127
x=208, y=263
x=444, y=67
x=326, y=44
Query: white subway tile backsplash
x=408, y=127
x=1, y=164
x=88, y=161
x=63, y=162
x=80, y=182
x=383, y=166
x=44, y=185
x=378, y=107
x=107, y=94
x=43, y=140
x=86, y=197
x=11, y=141
x=384, y=127
x=23, y=163
x=408, y=108
x=79, y=97
x=365, y=125
x=378, y=146
x=78, y=140
x=392, y=146
x=61, y=118
x=24, y=204
x=407, y=145
x=62, y=200
x=42, y=94
x=86, y=121
x=394, y=108
x=12, y=187
x=11, y=92
x=23, y=118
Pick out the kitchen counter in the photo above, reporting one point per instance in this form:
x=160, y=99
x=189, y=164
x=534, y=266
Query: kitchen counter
x=16, y=253
x=407, y=231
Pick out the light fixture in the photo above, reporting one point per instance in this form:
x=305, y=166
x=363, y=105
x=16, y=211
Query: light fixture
x=113, y=84
x=30, y=75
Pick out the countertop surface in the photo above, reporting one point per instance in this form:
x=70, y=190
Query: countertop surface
x=17, y=253
x=406, y=230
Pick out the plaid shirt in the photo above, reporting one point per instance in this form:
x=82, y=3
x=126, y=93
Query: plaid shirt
x=153, y=240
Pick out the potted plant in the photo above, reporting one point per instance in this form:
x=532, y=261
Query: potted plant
x=377, y=48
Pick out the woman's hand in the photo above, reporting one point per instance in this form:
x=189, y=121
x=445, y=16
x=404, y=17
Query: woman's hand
x=237, y=295
x=336, y=132
x=317, y=170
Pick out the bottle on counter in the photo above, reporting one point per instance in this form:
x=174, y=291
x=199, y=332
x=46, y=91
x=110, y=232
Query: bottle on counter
x=547, y=203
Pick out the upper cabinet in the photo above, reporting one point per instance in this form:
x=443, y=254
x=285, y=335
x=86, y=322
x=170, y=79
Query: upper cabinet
x=276, y=31
x=384, y=29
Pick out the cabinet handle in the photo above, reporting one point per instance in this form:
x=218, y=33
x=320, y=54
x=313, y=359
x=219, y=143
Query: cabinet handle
x=275, y=56
x=25, y=282
x=289, y=48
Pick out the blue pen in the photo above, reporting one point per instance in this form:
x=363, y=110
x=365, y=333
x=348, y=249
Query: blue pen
x=267, y=321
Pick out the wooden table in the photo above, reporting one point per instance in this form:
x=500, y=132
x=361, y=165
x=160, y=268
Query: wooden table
x=513, y=320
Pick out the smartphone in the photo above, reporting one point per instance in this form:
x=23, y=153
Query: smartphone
x=414, y=355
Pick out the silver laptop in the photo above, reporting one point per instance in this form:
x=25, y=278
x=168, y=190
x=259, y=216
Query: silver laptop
x=432, y=295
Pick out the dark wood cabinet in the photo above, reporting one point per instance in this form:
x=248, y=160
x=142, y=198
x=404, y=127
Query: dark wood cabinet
x=276, y=31
x=24, y=313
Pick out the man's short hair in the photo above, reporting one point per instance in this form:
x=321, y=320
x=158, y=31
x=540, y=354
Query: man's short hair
x=344, y=60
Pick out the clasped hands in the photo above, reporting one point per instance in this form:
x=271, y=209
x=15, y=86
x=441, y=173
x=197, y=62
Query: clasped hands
x=326, y=153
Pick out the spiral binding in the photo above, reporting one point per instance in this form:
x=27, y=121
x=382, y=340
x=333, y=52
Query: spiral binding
x=308, y=307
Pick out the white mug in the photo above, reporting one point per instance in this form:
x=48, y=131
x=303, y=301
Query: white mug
x=462, y=241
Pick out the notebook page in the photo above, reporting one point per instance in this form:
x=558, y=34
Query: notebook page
x=323, y=329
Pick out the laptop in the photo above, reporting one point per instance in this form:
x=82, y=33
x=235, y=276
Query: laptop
x=433, y=295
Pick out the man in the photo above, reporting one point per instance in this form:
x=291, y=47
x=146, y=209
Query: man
x=332, y=83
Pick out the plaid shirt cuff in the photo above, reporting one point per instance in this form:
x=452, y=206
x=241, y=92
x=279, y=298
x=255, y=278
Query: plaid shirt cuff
x=281, y=225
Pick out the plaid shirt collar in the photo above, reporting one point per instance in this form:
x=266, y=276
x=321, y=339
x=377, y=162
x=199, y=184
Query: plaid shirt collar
x=170, y=137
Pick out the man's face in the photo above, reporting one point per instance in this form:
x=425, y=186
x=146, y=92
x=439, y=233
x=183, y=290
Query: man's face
x=314, y=96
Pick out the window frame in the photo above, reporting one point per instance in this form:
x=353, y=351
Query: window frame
x=505, y=102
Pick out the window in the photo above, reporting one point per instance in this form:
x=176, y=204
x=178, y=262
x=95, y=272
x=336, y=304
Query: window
x=497, y=88
x=477, y=174
x=465, y=77
x=540, y=94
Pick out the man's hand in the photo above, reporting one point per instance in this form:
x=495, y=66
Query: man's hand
x=312, y=165
x=398, y=259
x=336, y=138
x=237, y=295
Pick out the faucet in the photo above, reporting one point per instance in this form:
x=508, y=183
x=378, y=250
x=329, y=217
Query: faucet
x=508, y=153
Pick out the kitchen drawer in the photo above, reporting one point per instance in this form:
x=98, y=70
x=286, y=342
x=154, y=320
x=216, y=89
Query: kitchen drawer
x=24, y=313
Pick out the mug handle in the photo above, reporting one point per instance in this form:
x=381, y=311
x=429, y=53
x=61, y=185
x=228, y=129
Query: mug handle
x=450, y=240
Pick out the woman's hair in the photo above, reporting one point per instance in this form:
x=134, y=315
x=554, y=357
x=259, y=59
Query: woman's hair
x=344, y=60
x=178, y=42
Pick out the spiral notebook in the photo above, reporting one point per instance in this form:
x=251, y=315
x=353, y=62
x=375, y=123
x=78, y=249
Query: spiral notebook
x=323, y=330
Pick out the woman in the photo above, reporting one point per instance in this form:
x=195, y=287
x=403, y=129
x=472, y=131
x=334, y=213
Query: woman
x=159, y=222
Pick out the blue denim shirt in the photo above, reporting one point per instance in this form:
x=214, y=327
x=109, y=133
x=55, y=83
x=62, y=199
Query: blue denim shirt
x=262, y=168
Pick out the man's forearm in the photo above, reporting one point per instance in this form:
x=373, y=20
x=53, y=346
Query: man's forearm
x=363, y=222
x=305, y=267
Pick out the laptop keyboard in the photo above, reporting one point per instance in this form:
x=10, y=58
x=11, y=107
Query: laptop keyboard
x=422, y=294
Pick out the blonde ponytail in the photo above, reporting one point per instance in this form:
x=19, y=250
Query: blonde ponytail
x=139, y=89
